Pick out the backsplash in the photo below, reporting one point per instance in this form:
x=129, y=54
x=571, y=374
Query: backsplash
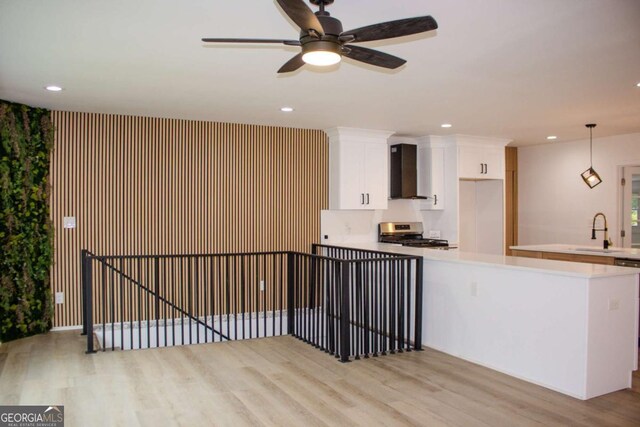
x=362, y=226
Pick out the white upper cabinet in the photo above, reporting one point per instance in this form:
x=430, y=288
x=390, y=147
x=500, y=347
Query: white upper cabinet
x=358, y=169
x=480, y=162
x=431, y=178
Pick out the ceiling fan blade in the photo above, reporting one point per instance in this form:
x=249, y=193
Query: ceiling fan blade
x=286, y=42
x=300, y=13
x=292, y=64
x=373, y=57
x=391, y=29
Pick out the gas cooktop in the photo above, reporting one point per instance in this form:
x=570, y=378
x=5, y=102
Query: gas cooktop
x=408, y=234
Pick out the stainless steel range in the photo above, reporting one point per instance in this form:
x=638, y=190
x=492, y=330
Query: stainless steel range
x=408, y=234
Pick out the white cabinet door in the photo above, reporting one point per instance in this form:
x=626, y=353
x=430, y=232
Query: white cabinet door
x=471, y=162
x=375, y=176
x=359, y=174
x=431, y=177
x=481, y=162
x=352, y=170
x=493, y=159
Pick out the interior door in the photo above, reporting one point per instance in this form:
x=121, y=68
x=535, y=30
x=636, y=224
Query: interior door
x=629, y=208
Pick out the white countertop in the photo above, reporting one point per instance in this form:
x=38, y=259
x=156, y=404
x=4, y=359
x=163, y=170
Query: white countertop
x=612, y=252
x=563, y=268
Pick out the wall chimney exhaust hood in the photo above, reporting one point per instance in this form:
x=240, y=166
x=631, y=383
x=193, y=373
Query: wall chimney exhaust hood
x=404, y=176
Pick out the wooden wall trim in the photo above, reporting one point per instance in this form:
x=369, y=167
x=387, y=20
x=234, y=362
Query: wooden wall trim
x=140, y=185
x=511, y=199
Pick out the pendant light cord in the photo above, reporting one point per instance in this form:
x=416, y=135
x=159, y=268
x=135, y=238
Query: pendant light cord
x=591, y=146
x=591, y=126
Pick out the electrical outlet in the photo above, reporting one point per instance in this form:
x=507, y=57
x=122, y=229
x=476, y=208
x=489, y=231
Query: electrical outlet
x=261, y=285
x=614, y=304
x=59, y=297
x=434, y=234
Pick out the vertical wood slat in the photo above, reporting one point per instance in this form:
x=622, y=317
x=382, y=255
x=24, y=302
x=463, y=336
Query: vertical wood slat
x=140, y=185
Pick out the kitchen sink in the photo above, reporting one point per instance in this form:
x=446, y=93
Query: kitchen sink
x=598, y=250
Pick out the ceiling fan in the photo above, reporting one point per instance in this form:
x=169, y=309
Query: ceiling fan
x=324, y=42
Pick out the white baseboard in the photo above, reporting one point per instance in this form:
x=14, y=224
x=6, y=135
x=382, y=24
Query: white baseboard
x=66, y=328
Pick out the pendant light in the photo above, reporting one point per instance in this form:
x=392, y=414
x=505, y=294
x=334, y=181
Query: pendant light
x=590, y=176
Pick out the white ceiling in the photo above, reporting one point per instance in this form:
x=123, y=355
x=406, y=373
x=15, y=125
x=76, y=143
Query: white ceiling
x=518, y=69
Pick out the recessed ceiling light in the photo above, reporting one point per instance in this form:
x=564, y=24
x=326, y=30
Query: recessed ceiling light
x=53, y=88
x=552, y=137
x=286, y=109
x=638, y=84
x=445, y=125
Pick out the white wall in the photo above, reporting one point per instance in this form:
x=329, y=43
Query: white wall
x=555, y=205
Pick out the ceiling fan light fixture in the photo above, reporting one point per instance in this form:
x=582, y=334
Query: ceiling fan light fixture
x=321, y=53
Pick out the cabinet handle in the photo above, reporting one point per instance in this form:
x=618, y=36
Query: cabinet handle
x=362, y=198
x=367, y=198
x=486, y=168
x=435, y=199
x=481, y=168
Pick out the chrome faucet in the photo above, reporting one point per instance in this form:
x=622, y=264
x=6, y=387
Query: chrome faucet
x=607, y=240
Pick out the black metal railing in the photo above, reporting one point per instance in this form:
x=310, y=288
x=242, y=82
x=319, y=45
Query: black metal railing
x=347, y=302
x=379, y=294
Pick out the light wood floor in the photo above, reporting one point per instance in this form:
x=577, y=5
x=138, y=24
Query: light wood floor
x=282, y=381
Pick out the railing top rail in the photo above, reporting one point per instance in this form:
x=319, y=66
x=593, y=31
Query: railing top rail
x=358, y=260
x=386, y=256
x=391, y=254
x=222, y=254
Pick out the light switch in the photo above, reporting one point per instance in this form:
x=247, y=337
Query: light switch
x=59, y=297
x=69, y=222
x=434, y=234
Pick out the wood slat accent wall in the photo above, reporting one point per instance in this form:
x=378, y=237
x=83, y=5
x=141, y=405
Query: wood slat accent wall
x=139, y=185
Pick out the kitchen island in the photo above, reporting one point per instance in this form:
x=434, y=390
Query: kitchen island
x=566, y=326
x=577, y=253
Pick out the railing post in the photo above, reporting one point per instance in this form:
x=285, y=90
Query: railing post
x=157, y=300
x=417, y=340
x=83, y=283
x=88, y=301
x=345, y=319
x=312, y=284
x=291, y=284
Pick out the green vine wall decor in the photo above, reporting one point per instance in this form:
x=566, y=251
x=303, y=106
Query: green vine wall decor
x=26, y=232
